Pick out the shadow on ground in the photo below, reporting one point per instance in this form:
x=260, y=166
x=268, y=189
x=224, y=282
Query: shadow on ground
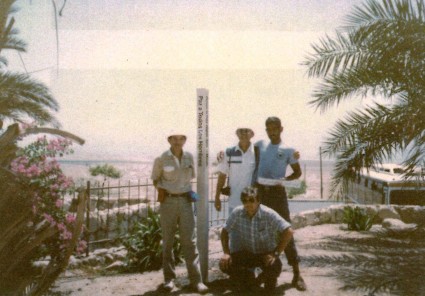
x=219, y=287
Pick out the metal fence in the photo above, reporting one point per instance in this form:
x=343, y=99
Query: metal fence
x=114, y=207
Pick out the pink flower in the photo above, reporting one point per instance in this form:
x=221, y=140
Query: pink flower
x=70, y=218
x=49, y=219
x=59, y=203
x=61, y=227
x=67, y=235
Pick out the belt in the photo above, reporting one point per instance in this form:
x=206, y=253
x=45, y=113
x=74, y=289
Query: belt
x=184, y=194
x=269, y=187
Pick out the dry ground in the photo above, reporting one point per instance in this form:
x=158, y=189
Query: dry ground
x=321, y=280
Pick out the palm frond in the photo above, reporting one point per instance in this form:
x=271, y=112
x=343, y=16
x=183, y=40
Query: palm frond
x=373, y=11
x=331, y=54
x=346, y=85
x=377, y=263
x=371, y=136
x=22, y=96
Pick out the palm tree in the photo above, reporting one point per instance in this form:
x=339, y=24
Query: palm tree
x=21, y=97
x=8, y=35
x=379, y=52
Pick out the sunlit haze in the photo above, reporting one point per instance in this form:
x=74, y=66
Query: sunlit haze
x=128, y=73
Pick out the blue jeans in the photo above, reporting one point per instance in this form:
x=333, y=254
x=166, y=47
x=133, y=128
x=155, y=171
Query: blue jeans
x=275, y=198
x=178, y=212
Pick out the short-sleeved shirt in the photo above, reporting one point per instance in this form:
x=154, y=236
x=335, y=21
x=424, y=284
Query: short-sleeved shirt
x=239, y=166
x=172, y=175
x=258, y=234
x=274, y=159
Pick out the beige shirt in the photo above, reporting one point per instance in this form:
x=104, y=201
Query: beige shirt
x=172, y=175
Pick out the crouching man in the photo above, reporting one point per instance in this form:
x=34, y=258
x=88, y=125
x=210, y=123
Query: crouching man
x=257, y=237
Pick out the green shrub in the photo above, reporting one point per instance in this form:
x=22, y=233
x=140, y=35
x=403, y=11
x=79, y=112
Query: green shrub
x=106, y=170
x=357, y=219
x=296, y=191
x=144, y=245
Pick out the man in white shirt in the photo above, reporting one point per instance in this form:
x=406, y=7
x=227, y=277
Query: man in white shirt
x=239, y=165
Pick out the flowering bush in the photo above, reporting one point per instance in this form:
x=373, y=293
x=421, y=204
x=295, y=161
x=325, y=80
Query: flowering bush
x=36, y=165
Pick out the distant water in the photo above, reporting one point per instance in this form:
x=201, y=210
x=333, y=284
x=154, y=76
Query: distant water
x=141, y=170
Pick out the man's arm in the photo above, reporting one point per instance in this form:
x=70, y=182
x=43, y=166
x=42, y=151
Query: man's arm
x=156, y=171
x=220, y=184
x=284, y=239
x=225, y=260
x=296, y=168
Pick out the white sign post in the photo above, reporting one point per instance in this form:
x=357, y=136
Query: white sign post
x=202, y=181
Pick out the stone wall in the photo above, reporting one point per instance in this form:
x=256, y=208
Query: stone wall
x=113, y=258
x=335, y=214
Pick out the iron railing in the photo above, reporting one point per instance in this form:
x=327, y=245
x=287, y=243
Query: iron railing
x=113, y=208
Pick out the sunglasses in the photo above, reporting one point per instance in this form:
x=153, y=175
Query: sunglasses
x=248, y=200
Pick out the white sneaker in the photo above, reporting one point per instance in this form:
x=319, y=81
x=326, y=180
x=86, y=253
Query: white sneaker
x=201, y=288
x=169, y=286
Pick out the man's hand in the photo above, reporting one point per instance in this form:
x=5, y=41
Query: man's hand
x=220, y=156
x=217, y=204
x=225, y=262
x=297, y=155
x=269, y=259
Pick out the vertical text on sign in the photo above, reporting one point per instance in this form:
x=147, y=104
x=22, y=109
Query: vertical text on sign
x=202, y=135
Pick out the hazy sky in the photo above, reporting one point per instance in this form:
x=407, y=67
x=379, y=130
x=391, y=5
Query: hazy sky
x=128, y=70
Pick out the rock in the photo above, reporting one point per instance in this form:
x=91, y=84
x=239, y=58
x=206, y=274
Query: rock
x=298, y=221
x=385, y=212
x=121, y=254
x=40, y=265
x=109, y=258
x=91, y=260
x=117, y=265
x=74, y=262
x=397, y=225
x=324, y=216
x=100, y=252
x=412, y=214
x=311, y=218
x=337, y=214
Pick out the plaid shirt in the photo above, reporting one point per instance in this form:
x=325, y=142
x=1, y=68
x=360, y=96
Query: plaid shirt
x=258, y=234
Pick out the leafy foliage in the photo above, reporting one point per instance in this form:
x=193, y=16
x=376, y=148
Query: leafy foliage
x=384, y=263
x=33, y=224
x=21, y=97
x=357, y=219
x=144, y=245
x=106, y=170
x=379, y=52
x=8, y=35
x=297, y=191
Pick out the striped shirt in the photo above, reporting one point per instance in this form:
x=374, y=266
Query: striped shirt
x=258, y=234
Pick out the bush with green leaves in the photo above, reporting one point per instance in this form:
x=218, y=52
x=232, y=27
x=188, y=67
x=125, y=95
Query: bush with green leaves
x=297, y=191
x=144, y=245
x=106, y=170
x=357, y=219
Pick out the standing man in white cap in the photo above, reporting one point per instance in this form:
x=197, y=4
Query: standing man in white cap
x=171, y=175
x=239, y=165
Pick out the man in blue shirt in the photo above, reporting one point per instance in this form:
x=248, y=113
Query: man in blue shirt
x=258, y=236
x=274, y=159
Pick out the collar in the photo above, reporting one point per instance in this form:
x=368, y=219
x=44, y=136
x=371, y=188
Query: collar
x=170, y=154
x=240, y=149
x=257, y=215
